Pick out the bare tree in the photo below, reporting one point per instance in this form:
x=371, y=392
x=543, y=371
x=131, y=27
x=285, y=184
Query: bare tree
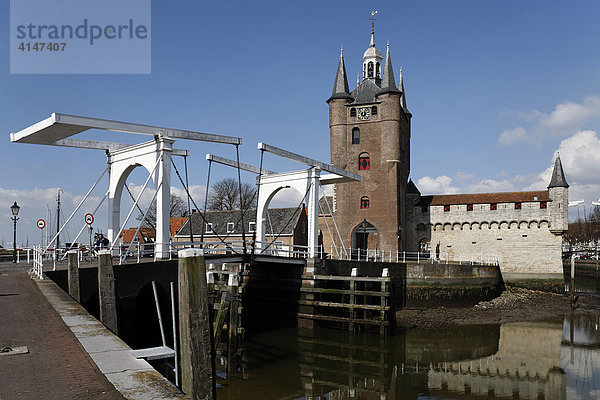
x=177, y=208
x=224, y=196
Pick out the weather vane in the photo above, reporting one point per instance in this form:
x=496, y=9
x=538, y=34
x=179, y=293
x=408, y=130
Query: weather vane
x=373, y=19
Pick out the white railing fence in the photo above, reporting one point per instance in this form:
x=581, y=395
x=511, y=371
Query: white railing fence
x=137, y=252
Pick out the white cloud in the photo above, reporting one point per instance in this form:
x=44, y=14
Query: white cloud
x=511, y=136
x=569, y=116
x=438, y=185
x=566, y=118
x=491, y=186
x=580, y=156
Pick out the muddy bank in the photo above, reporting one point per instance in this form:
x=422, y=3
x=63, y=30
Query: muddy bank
x=515, y=304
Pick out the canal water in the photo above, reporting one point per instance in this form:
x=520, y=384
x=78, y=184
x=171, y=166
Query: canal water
x=557, y=359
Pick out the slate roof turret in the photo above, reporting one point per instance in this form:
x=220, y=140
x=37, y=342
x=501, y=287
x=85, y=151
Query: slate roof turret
x=340, y=85
x=388, y=83
x=558, y=175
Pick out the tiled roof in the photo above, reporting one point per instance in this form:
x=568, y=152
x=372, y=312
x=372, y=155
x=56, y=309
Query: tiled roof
x=176, y=224
x=145, y=235
x=277, y=219
x=484, y=198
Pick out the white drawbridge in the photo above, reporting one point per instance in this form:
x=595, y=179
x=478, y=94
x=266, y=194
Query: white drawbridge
x=154, y=156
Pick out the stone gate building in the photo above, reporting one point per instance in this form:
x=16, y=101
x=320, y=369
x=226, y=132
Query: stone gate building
x=370, y=129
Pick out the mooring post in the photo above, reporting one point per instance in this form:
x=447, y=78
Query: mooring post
x=106, y=291
x=197, y=361
x=73, y=272
x=572, y=280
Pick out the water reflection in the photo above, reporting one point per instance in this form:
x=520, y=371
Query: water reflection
x=580, y=355
x=541, y=360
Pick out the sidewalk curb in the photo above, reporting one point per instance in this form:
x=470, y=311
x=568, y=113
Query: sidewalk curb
x=133, y=378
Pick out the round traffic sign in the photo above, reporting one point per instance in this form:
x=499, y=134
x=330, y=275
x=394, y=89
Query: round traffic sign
x=41, y=223
x=89, y=219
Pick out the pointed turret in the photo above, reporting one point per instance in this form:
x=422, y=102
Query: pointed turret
x=388, y=83
x=558, y=175
x=340, y=86
x=403, y=96
x=558, y=190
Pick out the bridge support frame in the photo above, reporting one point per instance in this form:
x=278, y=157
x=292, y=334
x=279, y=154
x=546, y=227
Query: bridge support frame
x=305, y=181
x=122, y=163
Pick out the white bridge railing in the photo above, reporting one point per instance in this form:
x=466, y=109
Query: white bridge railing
x=137, y=252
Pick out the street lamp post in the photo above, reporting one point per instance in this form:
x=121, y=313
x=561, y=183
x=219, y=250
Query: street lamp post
x=15, y=212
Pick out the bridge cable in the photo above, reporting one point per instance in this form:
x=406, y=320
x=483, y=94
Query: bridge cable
x=262, y=155
x=187, y=185
x=335, y=225
x=328, y=229
x=143, y=215
x=237, y=154
x=201, y=213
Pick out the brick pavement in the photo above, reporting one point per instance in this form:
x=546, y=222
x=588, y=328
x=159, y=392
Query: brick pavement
x=57, y=367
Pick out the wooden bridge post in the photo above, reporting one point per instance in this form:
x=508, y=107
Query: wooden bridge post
x=106, y=291
x=73, y=272
x=197, y=361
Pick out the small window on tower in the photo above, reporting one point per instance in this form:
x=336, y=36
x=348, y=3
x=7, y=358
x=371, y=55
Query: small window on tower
x=543, y=204
x=364, y=203
x=374, y=110
x=469, y=207
x=355, y=135
x=353, y=112
x=378, y=67
x=447, y=208
x=370, y=69
x=493, y=206
x=364, y=162
x=518, y=205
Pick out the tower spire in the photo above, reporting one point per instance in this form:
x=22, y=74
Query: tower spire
x=558, y=175
x=403, y=95
x=340, y=85
x=388, y=83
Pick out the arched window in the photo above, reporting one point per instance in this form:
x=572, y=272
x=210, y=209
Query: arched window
x=353, y=112
x=355, y=135
x=374, y=110
x=370, y=69
x=364, y=203
x=377, y=70
x=364, y=162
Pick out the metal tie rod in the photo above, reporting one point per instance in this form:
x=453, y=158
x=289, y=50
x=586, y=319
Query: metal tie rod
x=234, y=164
x=308, y=161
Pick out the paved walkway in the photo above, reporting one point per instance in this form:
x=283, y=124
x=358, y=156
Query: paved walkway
x=57, y=367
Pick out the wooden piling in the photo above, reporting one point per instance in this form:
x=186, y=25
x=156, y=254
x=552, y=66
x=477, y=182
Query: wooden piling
x=106, y=291
x=197, y=359
x=73, y=272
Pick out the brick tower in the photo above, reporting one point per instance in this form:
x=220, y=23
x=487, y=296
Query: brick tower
x=370, y=136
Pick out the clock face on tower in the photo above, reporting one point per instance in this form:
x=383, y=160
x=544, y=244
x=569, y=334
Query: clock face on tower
x=364, y=113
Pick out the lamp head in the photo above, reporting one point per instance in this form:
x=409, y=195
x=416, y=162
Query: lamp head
x=15, y=209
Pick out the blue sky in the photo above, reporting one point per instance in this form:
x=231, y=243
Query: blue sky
x=495, y=89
